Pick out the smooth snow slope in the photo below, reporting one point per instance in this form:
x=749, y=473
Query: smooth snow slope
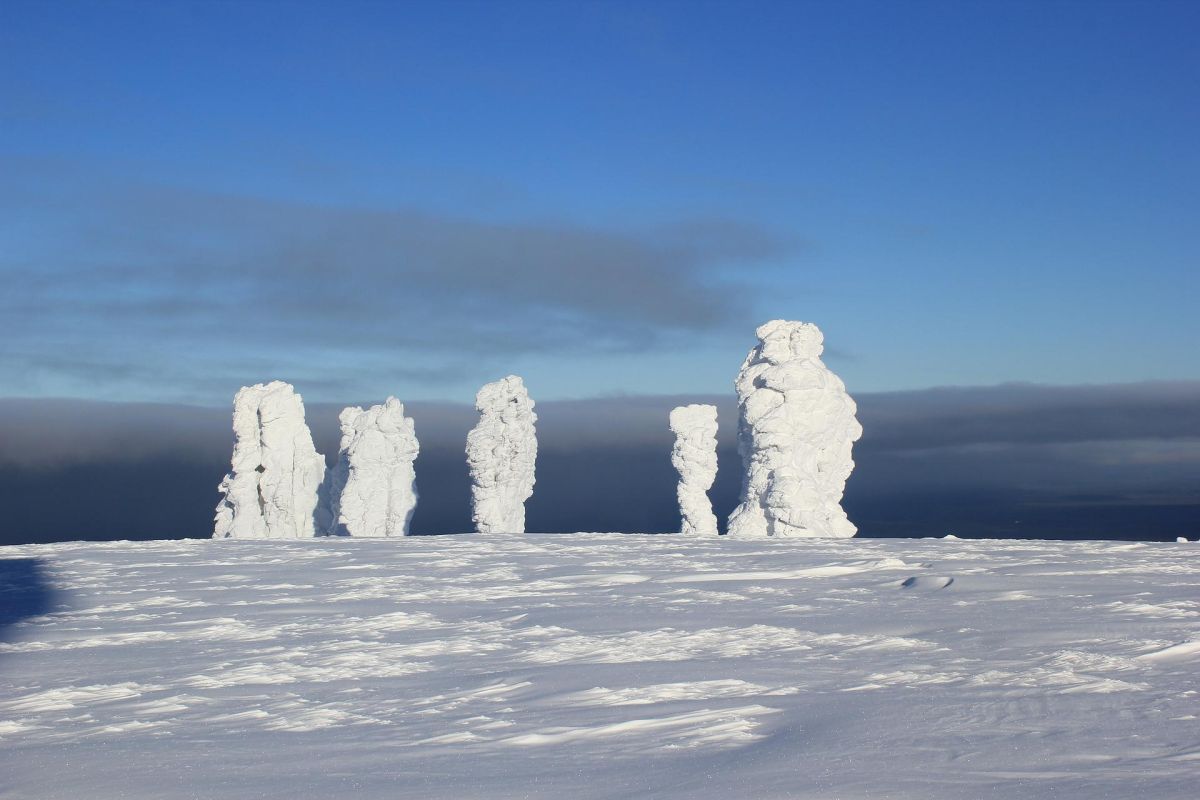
x=606, y=666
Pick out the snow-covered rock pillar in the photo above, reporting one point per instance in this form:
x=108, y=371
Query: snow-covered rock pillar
x=373, y=489
x=273, y=489
x=796, y=430
x=694, y=456
x=501, y=451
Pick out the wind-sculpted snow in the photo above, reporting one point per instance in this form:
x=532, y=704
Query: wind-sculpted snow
x=501, y=453
x=373, y=486
x=603, y=666
x=274, y=488
x=694, y=457
x=796, y=430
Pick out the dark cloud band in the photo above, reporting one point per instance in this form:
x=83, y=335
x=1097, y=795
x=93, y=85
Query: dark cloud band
x=203, y=284
x=1087, y=461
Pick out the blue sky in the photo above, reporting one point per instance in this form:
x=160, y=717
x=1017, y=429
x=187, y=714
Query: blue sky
x=401, y=198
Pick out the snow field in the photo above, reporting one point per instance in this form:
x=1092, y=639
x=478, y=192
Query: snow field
x=605, y=665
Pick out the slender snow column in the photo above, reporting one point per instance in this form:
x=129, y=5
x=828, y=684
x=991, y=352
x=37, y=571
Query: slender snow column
x=373, y=488
x=695, y=458
x=273, y=489
x=501, y=451
x=796, y=430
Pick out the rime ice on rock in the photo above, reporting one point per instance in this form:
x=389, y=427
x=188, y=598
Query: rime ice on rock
x=501, y=451
x=373, y=488
x=796, y=429
x=273, y=489
x=694, y=456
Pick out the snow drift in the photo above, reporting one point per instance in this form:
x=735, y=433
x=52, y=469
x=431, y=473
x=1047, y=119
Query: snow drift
x=796, y=430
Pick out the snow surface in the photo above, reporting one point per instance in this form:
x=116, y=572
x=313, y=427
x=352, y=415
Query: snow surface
x=606, y=666
x=501, y=456
x=796, y=430
x=694, y=457
x=373, y=488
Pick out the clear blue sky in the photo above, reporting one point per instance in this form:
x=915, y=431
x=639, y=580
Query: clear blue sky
x=412, y=198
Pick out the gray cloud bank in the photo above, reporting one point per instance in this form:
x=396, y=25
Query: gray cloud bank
x=195, y=282
x=1107, y=461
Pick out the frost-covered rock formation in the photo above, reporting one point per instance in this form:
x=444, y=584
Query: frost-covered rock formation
x=694, y=456
x=796, y=429
x=501, y=451
x=273, y=489
x=373, y=489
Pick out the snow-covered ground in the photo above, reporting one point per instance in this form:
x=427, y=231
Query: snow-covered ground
x=606, y=666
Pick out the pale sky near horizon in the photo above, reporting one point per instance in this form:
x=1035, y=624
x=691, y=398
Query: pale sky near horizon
x=413, y=198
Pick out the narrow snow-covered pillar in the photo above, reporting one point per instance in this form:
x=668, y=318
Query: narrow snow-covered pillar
x=373, y=488
x=695, y=458
x=796, y=430
x=273, y=488
x=501, y=452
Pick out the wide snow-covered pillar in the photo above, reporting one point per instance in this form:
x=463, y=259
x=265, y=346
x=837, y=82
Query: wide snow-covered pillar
x=501, y=452
x=273, y=489
x=796, y=430
x=694, y=456
x=373, y=488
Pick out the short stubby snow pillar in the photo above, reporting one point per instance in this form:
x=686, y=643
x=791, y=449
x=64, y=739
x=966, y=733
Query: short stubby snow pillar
x=273, y=489
x=373, y=487
x=796, y=430
x=694, y=457
x=501, y=452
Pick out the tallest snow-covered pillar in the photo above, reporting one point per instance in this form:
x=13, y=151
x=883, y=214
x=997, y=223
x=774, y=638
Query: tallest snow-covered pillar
x=273, y=490
x=796, y=430
x=501, y=452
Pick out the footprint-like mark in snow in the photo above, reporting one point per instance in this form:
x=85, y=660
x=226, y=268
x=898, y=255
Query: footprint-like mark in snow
x=926, y=582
